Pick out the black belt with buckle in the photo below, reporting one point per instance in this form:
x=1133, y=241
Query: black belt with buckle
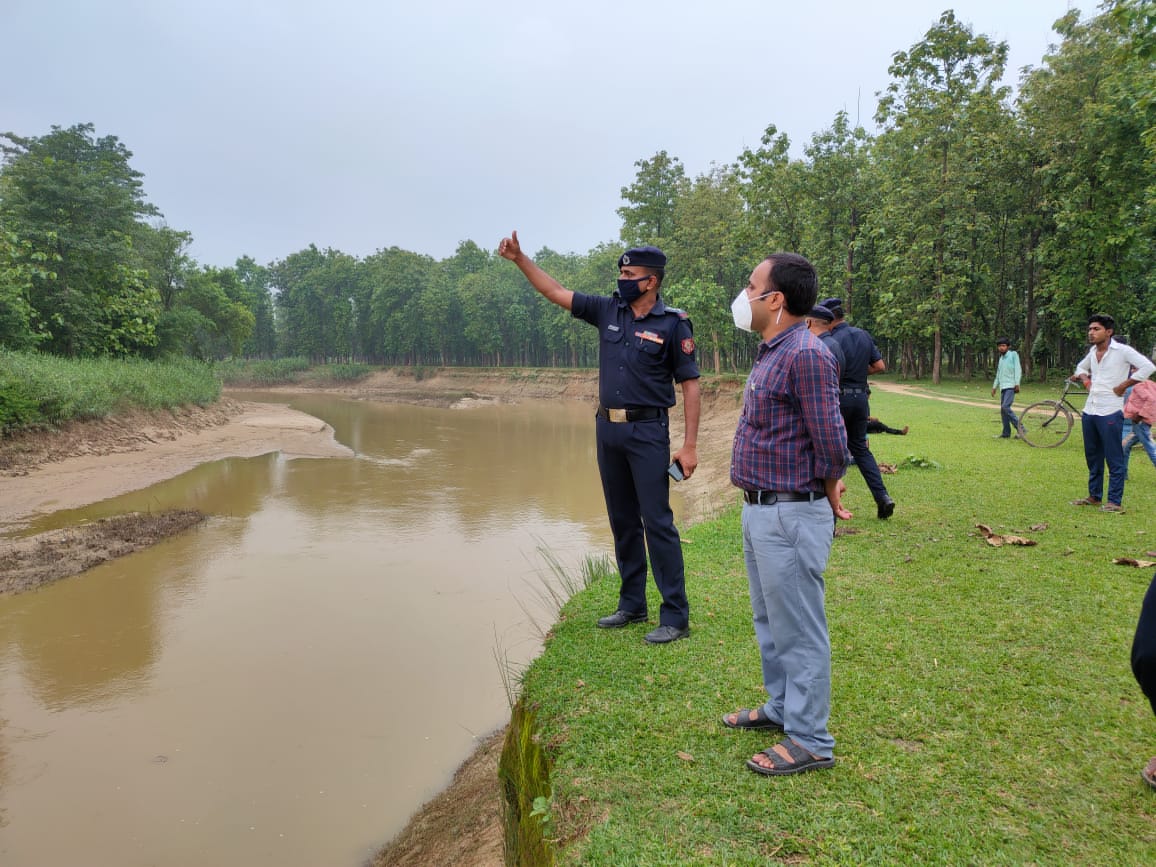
x=854, y=390
x=649, y=413
x=769, y=498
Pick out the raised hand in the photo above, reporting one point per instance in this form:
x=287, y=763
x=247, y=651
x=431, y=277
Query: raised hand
x=509, y=248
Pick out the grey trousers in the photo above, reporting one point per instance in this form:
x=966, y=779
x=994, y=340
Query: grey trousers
x=785, y=546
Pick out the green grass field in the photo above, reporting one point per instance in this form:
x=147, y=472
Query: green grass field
x=983, y=704
x=39, y=391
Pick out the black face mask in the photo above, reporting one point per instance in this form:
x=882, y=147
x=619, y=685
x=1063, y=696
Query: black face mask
x=628, y=289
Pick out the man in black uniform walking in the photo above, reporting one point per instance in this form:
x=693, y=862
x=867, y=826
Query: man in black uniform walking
x=861, y=357
x=644, y=348
x=820, y=321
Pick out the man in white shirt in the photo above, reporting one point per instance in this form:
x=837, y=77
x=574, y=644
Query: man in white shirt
x=1107, y=371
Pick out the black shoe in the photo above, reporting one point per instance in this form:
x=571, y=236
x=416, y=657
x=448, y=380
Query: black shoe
x=666, y=634
x=619, y=619
x=886, y=509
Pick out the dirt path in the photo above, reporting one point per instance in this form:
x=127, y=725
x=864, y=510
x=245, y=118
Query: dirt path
x=917, y=391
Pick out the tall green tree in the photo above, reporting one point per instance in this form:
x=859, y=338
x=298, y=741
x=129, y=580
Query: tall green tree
x=254, y=282
x=774, y=192
x=398, y=327
x=315, y=300
x=72, y=199
x=837, y=199
x=1088, y=115
x=648, y=215
x=18, y=325
x=938, y=115
x=712, y=262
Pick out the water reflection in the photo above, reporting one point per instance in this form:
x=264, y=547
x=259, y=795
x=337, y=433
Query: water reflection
x=287, y=682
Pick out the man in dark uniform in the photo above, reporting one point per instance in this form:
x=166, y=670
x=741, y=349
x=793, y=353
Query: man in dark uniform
x=644, y=348
x=861, y=358
x=819, y=322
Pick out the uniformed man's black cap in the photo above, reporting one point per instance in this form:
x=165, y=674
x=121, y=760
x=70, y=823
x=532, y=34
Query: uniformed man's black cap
x=835, y=305
x=821, y=312
x=645, y=257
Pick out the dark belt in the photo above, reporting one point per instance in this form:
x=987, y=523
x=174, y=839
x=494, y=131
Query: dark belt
x=769, y=498
x=649, y=413
x=854, y=391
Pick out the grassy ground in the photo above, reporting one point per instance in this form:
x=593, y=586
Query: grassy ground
x=983, y=704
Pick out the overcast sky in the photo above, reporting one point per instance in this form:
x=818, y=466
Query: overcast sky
x=262, y=126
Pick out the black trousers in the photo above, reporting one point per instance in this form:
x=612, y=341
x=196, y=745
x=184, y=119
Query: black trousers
x=632, y=459
x=855, y=410
x=1144, y=646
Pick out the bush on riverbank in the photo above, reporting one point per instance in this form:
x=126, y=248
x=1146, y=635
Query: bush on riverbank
x=983, y=704
x=245, y=373
x=46, y=391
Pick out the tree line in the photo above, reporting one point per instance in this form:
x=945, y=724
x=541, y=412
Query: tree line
x=968, y=214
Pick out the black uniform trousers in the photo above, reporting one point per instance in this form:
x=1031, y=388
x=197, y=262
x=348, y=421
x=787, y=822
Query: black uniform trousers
x=632, y=459
x=855, y=410
x=1144, y=646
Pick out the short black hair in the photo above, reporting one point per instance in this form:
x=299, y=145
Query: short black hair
x=1103, y=319
x=794, y=276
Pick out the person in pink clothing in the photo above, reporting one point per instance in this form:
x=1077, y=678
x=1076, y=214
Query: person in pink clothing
x=1139, y=414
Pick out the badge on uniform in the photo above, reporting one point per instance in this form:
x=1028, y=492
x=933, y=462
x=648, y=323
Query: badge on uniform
x=688, y=346
x=649, y=335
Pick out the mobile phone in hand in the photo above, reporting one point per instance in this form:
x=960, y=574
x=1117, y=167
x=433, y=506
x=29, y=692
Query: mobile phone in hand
x=675, y=471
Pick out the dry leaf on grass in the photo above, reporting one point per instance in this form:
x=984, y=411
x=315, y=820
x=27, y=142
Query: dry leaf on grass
x=686, y=757
x=1132, y=561
x=996, y=540
x=888, y=469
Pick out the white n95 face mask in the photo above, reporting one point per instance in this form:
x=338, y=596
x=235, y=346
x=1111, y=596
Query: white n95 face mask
x=741, y=311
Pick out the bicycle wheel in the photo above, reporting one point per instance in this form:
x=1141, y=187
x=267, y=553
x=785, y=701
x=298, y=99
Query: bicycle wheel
x=1046, y=424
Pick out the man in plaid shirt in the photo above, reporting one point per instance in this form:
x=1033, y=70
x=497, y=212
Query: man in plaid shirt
x=789, y=459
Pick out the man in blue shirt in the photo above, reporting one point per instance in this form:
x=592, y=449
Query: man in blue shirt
x=1007, y=381
x=644, y=348
x=789, y=459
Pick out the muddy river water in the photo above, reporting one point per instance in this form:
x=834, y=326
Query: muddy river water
x=286, y=683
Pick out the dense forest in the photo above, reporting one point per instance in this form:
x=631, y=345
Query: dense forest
x=970, y=212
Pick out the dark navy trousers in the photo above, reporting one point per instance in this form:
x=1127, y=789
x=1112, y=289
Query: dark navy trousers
x=855, y=410
x=632, y=459
x=1104, y=443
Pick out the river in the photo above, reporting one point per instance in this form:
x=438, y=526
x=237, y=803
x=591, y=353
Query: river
x=288, y=682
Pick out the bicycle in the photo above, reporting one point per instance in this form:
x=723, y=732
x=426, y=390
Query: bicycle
x=1046, y=424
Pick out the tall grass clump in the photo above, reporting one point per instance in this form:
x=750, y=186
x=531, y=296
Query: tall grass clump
x=47, y=391
x=249, y=373
x=527, y=802
x=338, y=374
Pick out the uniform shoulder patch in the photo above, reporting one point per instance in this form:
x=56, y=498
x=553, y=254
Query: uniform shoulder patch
x=681, y=314
x=688, y=346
